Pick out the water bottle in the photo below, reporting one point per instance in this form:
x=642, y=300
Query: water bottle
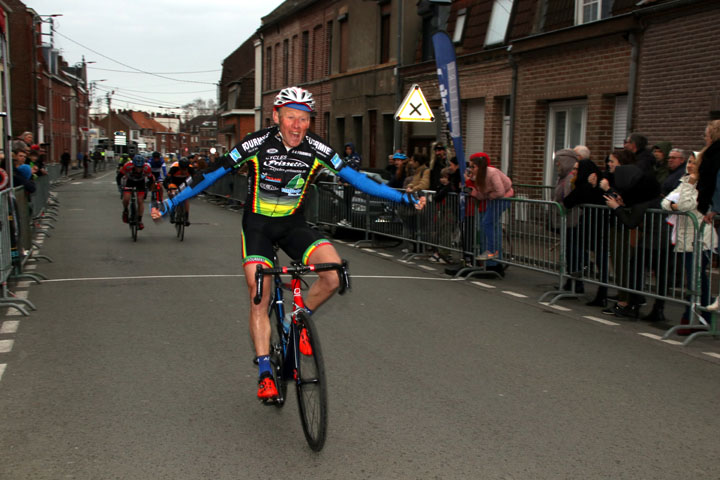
x=287, y=320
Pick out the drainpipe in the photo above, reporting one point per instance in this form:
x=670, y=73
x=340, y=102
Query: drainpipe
x=632, y=80
x=397, y=134
x=513, y=97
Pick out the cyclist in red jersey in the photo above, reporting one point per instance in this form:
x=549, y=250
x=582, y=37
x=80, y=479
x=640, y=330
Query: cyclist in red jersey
x=138, y=174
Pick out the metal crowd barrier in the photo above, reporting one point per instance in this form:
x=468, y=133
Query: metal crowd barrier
x=230, y=189
x=585, y=244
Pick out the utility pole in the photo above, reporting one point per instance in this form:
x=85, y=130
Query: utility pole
x=110, y=134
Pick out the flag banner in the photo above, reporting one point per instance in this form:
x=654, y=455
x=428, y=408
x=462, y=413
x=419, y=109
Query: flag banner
x=449, y=91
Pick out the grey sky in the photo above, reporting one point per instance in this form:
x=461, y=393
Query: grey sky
x=158, y=36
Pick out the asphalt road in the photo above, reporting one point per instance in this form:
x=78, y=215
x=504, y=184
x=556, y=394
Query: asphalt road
x=137, y=365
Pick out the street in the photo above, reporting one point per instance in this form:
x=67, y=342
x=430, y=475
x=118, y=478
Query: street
x=137, y=364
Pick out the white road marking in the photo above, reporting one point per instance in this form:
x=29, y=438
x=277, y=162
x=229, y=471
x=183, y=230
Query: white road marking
x=601, y=320
x=427, y=268
x=385, y=254
x=9, y=326
x=514, y=294
x=157, y=277
x=712, y=354
x=30, y=267
x=486, y=285
x=23, y=284
x=13, y=312
x=369, y=250
x=21, y=294
x=659, y=338
x=2, y=369
x=6, y=346
x=556, y=307
x=76, y=183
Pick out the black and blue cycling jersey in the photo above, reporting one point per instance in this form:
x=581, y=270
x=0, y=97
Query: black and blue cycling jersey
x=278, y=178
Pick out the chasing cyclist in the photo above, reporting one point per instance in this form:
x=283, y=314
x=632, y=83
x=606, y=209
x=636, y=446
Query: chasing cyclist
x=136, y=174
x=179, y=177
x=283, y=160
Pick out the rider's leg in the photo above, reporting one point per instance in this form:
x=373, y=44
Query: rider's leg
x=141, y=204
x=126, y=200
x=327, y=282
x=259, y=320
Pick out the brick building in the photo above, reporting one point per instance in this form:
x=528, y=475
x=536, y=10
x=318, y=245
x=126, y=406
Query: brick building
x=345, y=52
x=201, y=133
x=236, y=115
x=48, y=96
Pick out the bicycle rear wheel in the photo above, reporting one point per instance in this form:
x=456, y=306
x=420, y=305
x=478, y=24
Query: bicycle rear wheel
x=180, y=222
x=311, y=385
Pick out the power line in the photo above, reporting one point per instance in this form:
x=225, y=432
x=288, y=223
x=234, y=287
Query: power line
x=126, y=65
x=152, y=73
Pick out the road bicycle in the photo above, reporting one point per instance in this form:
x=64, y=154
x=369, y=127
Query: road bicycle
x=292, y=363
x=178, y=216
x=133, y=219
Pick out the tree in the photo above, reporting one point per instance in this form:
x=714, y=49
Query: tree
x=198, y=107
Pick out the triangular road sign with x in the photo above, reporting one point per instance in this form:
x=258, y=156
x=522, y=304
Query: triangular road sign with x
x=414, y=108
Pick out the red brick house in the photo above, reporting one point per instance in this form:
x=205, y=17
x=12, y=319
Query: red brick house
x=236, y=115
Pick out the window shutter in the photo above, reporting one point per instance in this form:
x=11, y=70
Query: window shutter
x=475, y=136
x=620, y=121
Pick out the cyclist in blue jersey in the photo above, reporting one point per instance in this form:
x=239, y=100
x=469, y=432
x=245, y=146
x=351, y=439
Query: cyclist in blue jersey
x=282, y=162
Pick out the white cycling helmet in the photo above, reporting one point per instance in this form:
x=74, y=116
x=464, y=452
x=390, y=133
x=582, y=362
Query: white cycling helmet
x=295, y=97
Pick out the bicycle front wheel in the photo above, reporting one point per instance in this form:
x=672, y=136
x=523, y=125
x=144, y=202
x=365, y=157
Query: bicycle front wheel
x=310, y=383
x=133, y=221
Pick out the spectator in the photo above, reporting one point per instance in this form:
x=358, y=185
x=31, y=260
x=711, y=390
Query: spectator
x=661, y=152
x=444, y=217
x=36, y=164
x=421, y=178
x=644, y=159
x=677, y=161
x=86, y=164
x=566, y=161
x=23, y=142
x=454, y=175
x=97, y=157
x=22, y=173
x=353, y=160
x=635, y=191
x=437, y=163
x=684, y=199
x=400, y=170
x=593, y=224
x=708, y=167
x=582, y=152
x=65, y=162
x=490, y=186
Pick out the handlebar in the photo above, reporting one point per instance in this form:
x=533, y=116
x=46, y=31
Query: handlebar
x=298, y=270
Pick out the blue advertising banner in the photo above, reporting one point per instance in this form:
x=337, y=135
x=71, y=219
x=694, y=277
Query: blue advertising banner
x=449, y=91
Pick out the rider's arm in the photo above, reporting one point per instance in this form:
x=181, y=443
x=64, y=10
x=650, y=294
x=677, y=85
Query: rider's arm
x=369, y=186
x=206, y=180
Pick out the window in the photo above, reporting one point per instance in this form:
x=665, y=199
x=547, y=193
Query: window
x=428, y=52
x=620, y=121
x=499, y=19
x=286, y=62
x=566, y=129
x=268, y=68
x=317, y=53
x=344, y=39
x=328, y=47
x=591, y=10
x=459, y=26
x=475, y=126
x=385, y=33
x=305, y=56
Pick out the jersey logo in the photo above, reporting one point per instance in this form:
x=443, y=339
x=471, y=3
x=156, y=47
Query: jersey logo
x=294, y=186
x=271, y=179
x=336, y=162
x=235, y=155
x=272, y=150
x=318, y=146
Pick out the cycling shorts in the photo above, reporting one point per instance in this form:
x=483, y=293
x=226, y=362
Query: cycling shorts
x=140, y=185
x=292, y=234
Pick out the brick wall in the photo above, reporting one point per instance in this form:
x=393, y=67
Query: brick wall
x=678, y=77
x=591, y=71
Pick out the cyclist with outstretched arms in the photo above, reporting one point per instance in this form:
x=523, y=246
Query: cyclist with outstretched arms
x=283, y=160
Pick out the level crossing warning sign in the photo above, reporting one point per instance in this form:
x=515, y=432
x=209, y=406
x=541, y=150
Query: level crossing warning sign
x=414, y=108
